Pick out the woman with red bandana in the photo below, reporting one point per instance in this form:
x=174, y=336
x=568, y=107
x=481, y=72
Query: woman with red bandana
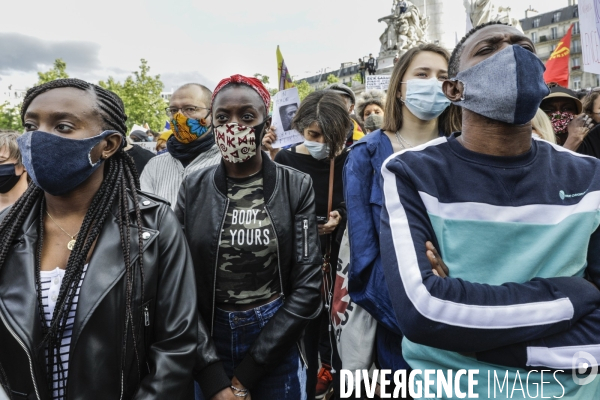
x=252, y=229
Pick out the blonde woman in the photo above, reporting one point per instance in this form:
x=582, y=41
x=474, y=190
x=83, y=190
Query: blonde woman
x=542, y=127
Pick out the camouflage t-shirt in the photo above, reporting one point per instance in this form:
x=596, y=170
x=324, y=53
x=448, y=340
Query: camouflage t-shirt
x=247, y=270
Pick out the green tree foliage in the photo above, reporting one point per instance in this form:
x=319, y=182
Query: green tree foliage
x=141, y=96
x=332, y=79
x=263, y=78
x=304, y=89
x=58, y=71
x=10, y=117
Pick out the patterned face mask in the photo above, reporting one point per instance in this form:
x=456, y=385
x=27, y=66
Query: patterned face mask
x=236, y=142
x=186, y=130
x=560, y=121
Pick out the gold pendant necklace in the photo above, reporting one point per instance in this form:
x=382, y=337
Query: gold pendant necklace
x=72, y=242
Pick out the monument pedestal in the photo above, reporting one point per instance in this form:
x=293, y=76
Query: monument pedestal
x=385, y=61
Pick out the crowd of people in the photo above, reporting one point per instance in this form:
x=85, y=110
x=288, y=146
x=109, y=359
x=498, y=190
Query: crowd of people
x=466, y=195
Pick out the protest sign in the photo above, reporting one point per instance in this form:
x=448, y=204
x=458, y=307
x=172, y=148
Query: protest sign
x=589, y=25
x=150, y=146
x=377, y=82
x=285, y=105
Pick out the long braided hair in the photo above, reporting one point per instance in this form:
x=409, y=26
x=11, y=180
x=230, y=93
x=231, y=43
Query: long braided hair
x=120, y=176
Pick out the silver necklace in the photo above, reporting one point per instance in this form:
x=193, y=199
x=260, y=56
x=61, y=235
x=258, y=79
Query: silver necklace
x=403, y=142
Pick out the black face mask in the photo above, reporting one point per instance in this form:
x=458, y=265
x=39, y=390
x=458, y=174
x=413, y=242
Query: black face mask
x=8, y=177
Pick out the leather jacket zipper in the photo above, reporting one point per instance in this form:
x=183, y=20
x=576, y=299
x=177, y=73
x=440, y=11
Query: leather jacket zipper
x=212, y=319
x=37, y=394
x=305, y=238
x=124, y=355
x=146, y=316
x=277, y=246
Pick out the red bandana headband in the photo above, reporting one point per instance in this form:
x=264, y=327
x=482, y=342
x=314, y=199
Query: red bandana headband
x=252, y=82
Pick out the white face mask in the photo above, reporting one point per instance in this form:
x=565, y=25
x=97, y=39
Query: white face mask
x=318, y=150
x=425, y=98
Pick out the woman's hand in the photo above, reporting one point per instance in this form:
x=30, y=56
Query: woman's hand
x=334, y=220
x=238, y=385
x=268, y=140
x=578, y=129
x=437, y=264
x=225, y=394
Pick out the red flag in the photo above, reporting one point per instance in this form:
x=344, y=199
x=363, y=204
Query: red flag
x=557, y=66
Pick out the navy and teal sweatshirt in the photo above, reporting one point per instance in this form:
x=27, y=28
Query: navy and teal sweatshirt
x=519, y=235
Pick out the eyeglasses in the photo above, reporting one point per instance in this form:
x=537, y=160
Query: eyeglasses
x=188, y=111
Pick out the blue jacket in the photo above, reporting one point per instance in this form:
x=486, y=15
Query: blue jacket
x=367, y=285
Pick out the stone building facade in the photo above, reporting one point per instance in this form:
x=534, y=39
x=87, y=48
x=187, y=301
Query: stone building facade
x=547, y=29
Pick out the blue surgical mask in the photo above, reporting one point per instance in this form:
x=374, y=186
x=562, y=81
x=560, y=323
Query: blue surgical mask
x=317, y=150
x=508, y=87
x=425, y=98
x=58, y=164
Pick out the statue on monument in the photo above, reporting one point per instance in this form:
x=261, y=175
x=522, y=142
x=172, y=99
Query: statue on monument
x=406, y=27
x=482, y=11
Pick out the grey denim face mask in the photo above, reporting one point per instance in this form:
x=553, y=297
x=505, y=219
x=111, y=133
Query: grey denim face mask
x=509, y=86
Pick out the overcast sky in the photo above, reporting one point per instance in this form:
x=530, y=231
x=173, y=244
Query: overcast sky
x=192, y=40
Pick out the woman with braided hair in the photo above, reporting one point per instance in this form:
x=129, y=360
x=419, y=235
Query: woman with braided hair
x=97, y=298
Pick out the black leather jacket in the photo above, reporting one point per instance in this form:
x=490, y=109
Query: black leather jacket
x=166, y=323
x=289, y=200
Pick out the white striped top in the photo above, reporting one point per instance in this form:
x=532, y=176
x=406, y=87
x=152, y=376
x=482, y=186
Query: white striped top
x=51, y=282
x=163, y=174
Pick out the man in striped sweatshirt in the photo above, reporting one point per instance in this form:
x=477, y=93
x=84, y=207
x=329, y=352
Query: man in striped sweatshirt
x=191, y=147
x=515, y=220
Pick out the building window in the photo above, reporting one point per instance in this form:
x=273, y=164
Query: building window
x=553, y=33
x=534, y=37
x=576, y=62
x=576, y=12
x=597, y=80
x=576, y=28
x=552, y=47
x=576, y=83
x=536, y=23
x=556, y=17
x=576, y=46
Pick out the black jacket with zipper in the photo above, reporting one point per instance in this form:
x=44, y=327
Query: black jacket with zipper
x=165, y=321
x=289, y=201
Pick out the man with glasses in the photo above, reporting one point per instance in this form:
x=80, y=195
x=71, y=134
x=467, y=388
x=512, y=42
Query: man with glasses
x=190, y=148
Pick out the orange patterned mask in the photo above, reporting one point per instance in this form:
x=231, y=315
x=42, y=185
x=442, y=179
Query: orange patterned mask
x=186, y=130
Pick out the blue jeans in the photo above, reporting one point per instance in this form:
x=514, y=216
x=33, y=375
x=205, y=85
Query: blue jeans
x=233, y=335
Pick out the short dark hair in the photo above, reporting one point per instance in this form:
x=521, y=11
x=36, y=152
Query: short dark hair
x=454, y=62
x=294, y=105
x=328, y=110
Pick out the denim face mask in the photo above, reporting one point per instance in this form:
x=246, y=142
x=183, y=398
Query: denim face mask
x=509, y=86
x=58, y=164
